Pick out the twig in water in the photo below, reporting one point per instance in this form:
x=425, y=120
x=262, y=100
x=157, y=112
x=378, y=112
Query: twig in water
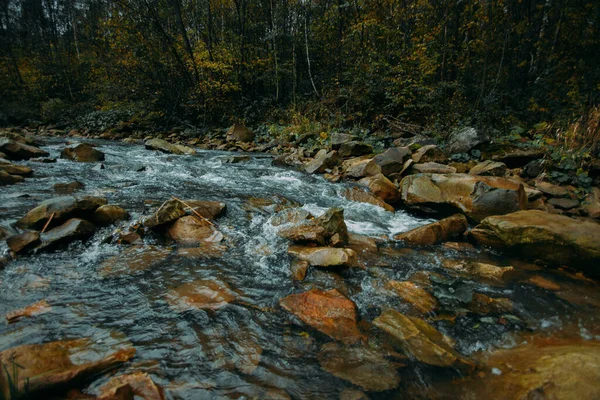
x=194, y=211
x=48, y=223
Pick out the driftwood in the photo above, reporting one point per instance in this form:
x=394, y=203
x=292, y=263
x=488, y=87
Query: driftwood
x=48, y=223
x=194, y=211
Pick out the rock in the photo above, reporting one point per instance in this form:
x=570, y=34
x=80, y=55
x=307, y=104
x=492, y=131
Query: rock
x=392, y=160
x=329, y=311
x=294, y=160
x=563, y=204
x=591, y=205
x=169, y=211
x=322, y=162
x=50, y=366
x=185, y=149
x=163, y=146
x=20, y=151
x=135, y=385
x=109, y=214
x=82, y=153
x=477, y=270
x=235, y=159
x=338, y=139
x=413, y=294
x=382, y=187
x=190, y=230
x=60, y=209
x=431, y=168
x=13, y=169
x=551, y=190
x=37, y=308
x=543, y=283
x=435, y=232
x=475, y=196
x=324, y=256
x=359, y=195
x=205, y=208
x=465, y=139
x=73, y=229
x=354, y=149
x=482, y=304
x=556, y=239
x=23, y=242
x=360, y=167
x=240, y=133
x=421, y=341
x=203, y=294
x=8, y=179
x=319, y=230
x=533, y=168
x=68, y=188
x=360, y=366
x=517, y=158
x=133, y=259
x=299, y=269
x=429, y=153
x=489, y=168
x=294, y=216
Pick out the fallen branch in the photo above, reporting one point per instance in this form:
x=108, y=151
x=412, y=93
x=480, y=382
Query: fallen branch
x=194, y=211
x=48, y=223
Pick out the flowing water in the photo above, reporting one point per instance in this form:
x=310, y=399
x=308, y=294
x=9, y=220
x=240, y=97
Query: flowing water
x=250, y=348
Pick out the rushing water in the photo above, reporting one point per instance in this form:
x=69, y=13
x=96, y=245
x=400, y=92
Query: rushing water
x=204, y=354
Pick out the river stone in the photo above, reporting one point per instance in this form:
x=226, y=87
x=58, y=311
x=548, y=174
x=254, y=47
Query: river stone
x=518, y=158
x=190, y=230
x=551, y=190
x=382, y=187
x=73, y=229
x=130, y=386
x=68, y=188
x=109, y=214
x=431, y=168
x=320, y=230
x=37, y=308
x=133, y=259
x=563, y=204
x=556, y=239
x=163, y=146
x=465, y=139
x=489, y=168
x=62, y=208
x=240, y=133
x=354, y=149
x=23, y=242
x=482, y=304
x=50, y=366
x=204, y=294
x=360, y=167
x=360, y=366
x=14, y=169
x=82, y=153
x=169, y=211
x=359, y=195
x=435, y=232
x=20, y=151
x=294, y=216
x=413, y=294
x=421, y=341
x=392, y=160
x=338, y=139
x=324, y=256
x=330, y=312
x=323, y=161
x=429, y=153
x=205, y=208
x=8, y=179
x=475, y=196
x=477, y=270
x=308, y=232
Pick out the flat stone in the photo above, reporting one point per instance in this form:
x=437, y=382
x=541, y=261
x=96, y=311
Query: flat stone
x=413, y=294
x=435, y=232
x=489, y=168
x=361, y=196
x=551, y=190
x=564, y=204
x=431, y=168
x=324, y=256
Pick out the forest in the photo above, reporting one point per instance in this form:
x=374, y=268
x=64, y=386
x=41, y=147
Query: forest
x=435, y=63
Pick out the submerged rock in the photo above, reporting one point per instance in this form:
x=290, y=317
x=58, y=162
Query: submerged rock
x=50, y=366
x=130, y=386
x=37, y=308
x=556, y=239
x=329, y=311
x=82, y=153
x=133, y=259
x=477, y=270
x=204, y=294
x=60, y=209
x=68, y=188
x=413, y=294
x=435, y=232
x=360, y=366
x=324, y=256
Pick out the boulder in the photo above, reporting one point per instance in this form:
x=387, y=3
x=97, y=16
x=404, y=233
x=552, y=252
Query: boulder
x=360, y=366
x=382, y=187
x=322, y=162
x=169, y=211
x=421, y=341
x=68, y=188
x=489, y=168
x=475, y=196
x=8, y=179
x=324, y=256
x=359, y=195
x=60, y=209
x=338, y=139
x=360, y=167
x=20, y=151
x=109, y=214
x=429, y=153
x=73, y=229
x=129, y=387
x=163, y=146
x=319, y=230
x=23, y=242
x=330, y=312
x=14, y=169
x=431, y=168
x=203, y=294
x=50, y=366
x=82, y=153
x=591, y=205
x=354, y=149
x=413, y=294
x=465, y=139
x=392, y=160
x=239, y=132
x=37, y=308
x=435, y=232
x=191, y=230
x=556, y=239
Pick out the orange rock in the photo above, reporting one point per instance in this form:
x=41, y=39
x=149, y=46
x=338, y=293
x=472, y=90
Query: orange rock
x=40, y=307
x=543, y=283
x=137, y=384
x=202, y=294
x=415, y=295
x=435, y=232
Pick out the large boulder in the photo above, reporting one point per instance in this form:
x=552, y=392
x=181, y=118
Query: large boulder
x=324, y=256
x=329, y=228
x=463, y=140
x=435, y=232
x=354, y=149
x=357, y=168
x=392, y=160
x=73, y=229
x=44, y=368
x=329, y=311
x=240, y=133
x=322, y=162
x=556, y=239
x=382, y=187
x=60, y=209
x=20, y=151
x=82, y=153
x=475, y=196
x=429, y=153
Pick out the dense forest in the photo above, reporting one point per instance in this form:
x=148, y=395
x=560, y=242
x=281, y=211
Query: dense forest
x=436, y=63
